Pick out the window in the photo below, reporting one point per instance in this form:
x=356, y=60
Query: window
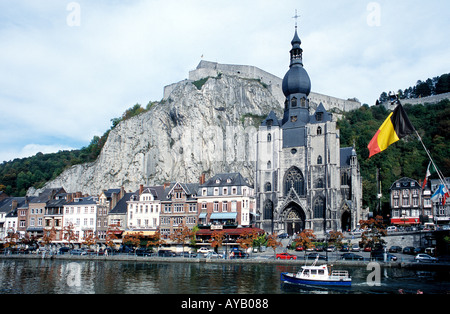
x=319, y=208
x=319, y=116
x=294, y=179
x=319, y=130
x=294, y=102
x=319, y=160
x=224, y=206
x=269, y=137
x=269, y=165
x=216, y=206
x=268, y=210
x=267, y=187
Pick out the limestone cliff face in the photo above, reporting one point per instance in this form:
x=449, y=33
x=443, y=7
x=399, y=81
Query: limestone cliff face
x=193, y=131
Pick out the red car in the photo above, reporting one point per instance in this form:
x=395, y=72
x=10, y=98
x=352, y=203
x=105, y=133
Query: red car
x=285, y=256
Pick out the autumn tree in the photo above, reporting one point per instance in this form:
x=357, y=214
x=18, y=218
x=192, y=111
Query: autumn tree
x=69, y=233
x=11, y=239
x=90, y=238
x=49, y=236
x=133, y=239
x=273, y=243
x=111, y=235
x=217, y=238
x=304, y=239
x=373, y=231
x=155, y=240
x=247, y=238
x=336, y=238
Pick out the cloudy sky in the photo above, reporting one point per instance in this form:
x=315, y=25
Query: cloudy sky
x=68, y=67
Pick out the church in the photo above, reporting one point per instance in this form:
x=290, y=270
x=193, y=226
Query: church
x=304, y=179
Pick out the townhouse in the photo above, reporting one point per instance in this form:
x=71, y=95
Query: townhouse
x=226, y=200
x=81, y=215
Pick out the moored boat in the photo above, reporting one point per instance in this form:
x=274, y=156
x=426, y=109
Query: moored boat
x=318, y=276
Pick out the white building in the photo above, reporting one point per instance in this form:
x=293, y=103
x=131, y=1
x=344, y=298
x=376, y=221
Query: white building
x=144, y=208
x=82, y=214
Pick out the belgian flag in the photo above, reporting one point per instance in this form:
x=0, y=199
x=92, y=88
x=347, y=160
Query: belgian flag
x=396, y=126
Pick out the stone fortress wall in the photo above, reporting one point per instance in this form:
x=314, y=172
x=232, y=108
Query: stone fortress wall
x=273, y=83
x=415, y=101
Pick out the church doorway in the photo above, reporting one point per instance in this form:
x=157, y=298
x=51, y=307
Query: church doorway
x=295, y=219
x=346, y=221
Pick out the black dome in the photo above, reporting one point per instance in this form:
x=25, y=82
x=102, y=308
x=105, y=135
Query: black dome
x=296, y=81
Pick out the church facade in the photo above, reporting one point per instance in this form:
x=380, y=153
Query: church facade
x=304, y=179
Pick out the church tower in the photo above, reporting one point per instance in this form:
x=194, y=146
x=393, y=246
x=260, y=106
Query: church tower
x=298, y=175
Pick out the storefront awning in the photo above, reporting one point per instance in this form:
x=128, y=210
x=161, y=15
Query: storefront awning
x=405, y=221
x=223, y=216
x=137, y=232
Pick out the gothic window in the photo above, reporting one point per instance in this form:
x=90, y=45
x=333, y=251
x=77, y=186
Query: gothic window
x=319, y=160
x=319, y=131
x=269, y=165
x=267, y=187
x=269, y=137
x=268, y=209
x=319, y=208
x=294, y=102
x=294, y=179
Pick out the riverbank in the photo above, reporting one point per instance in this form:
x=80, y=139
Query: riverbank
x=253, y=260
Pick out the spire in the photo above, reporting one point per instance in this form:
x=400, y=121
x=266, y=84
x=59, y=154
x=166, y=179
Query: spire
x=297, y=51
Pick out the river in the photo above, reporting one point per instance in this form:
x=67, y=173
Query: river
x=45, y=276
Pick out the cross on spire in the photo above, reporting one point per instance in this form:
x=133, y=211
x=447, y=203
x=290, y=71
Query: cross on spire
x=296, y=18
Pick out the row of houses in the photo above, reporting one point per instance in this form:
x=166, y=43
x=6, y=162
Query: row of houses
x=223, y=201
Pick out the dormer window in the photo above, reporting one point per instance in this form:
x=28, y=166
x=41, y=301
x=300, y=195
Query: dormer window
x=319, y=116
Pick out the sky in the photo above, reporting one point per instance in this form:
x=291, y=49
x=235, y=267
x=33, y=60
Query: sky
x=68, y=67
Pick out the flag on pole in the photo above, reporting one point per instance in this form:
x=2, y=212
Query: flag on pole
x=430, y=171
x=446, y=195
x=394, y=128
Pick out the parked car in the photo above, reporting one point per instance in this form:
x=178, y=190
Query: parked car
x=299, y=248
x=213, y=255
x=283, y=236
x=425, y=258
x=379, y=256
x=408, y=250
x=315, y=255
x=395, y=249
x=238, y=254
x=355, y=248
x=204, y=250
x=391, y=229
x=63, y=250
x=352, y=256
x=78, y=252
x=165, y=253
x=143, y=252
x=344, y=248
x=285, y=256
x=189, y=254
x=331, y=248
x=367, y=249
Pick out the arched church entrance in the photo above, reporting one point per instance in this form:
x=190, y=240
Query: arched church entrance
x=346, y=221
x=295, y=219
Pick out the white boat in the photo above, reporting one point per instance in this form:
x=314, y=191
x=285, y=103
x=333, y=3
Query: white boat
x=318, y=276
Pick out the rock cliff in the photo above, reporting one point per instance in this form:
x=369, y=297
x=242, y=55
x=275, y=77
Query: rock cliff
x=207, y=126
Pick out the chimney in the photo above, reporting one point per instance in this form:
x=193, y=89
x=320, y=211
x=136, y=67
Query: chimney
x=166, y=185
x=141, y=189
x=13, y=205
x=122, y=192
x=202, y=179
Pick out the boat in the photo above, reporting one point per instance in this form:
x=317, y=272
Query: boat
x=318, y=276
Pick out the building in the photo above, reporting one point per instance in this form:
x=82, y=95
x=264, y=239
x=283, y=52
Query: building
x=107, y=200
x=304, y=179
x=144, y=208
x=81, y=214
x=53, y=217
x=178, y=207
x=226, y=200
x=36, y=211
x=440, y=211
x=406, y=202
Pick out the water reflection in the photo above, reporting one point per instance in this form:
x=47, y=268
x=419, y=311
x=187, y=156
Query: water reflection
x=66, y=277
